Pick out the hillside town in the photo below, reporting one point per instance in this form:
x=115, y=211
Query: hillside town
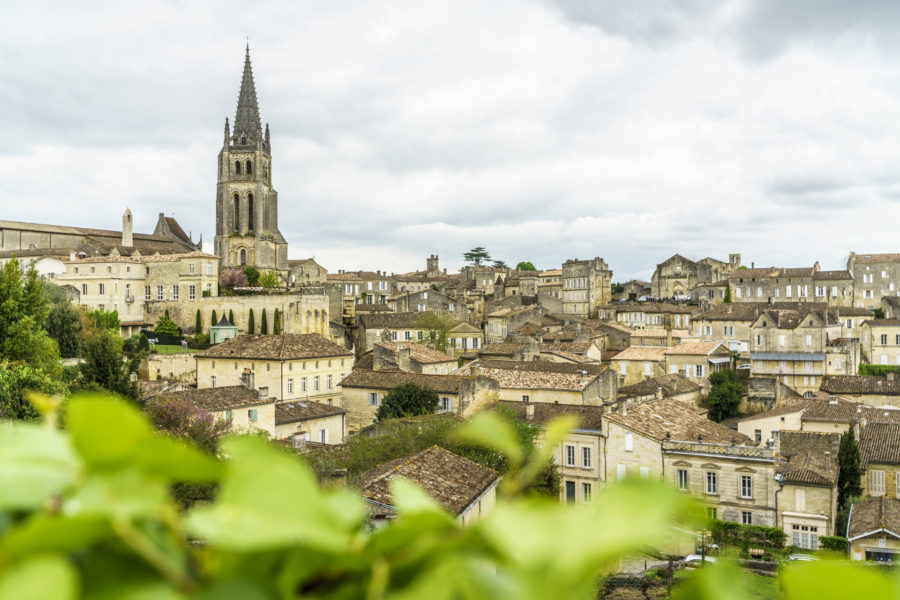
x=738, y=384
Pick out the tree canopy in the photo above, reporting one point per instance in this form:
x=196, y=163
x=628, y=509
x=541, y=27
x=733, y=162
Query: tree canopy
x=436, y=326
x=724, y=395
x=407, y=400
x=477, y=255
x=166, y=326
x=850, y=475
x=252, y=274
x=525, y=266
x=269, y=280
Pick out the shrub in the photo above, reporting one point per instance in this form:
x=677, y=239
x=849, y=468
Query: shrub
x=833, y=542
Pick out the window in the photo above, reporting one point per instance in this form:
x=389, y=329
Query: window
x=570, y=456
x=526, y=398
x=102, y=289
x=209, y=288
x=192, y=292
x=781, y=340
x=647, y=368
x=303, y=383
x=290, y=386
x=712, y=482
x=805, y=536
x=623, y=368
x=746, y=518
x=174, y=292
x=373, y=399
x=446, y=404
x=570, y=492
x=682, y=479
x=249, y=168
x=191, y=268
x=209, y=268
x=394, y=336
x=621, y=472
x=586, y=492
x=757, y=435
x=585, y=457
x=629, y=442
x=698, y=370
x=876, y=483
x=787, y=292
x=711, y=513
x=328, y=382
x=84, y=289
x=808, y=341
x=316, y=383
x=237, y=164
x=159, y=292
x=883, y=338
x=264, y=392
x=212, y=381
x=251, y=415
x=407, y=335
x=746, y=486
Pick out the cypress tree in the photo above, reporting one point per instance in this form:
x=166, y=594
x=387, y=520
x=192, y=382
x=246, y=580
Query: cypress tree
x=167, y=314
x=230, y=317
x=198, y=323
x=251, y=324
x=214, y=320
x=276, y=323
x=727, y=293
x=264, y=324
x=849, y=479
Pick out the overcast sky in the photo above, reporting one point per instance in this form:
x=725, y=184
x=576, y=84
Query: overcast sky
x=542, y=130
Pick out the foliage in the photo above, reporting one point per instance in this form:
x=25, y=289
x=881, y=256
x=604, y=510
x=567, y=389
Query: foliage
x=55, y=294
x=476, y=256
x=850, y=472
x=166, y=326
x=727, y=298
x=264, y=323
x=100, y=318
x=105, y=366
x=16, y=380
x=618, y=288
x=23, y=311
x=64, y=325
x=276, y=323
x=878, y=312
x=724, y=394
x=407, y=400
x=214, y=320
x=198, y=322
x=252, y=274
x=835, y=543
x=436, y=326
x=499, y=264
x=183, y=420
x=270, y=280
x=234, y=278
x=89, y=513
x=231, y=317
x=878, y=370
x=747, y=536
x=251, y=323
x=135, y=345
x=525, y=266
x=843, y=513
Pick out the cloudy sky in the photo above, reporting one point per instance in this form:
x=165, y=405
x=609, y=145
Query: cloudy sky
x=540, y=129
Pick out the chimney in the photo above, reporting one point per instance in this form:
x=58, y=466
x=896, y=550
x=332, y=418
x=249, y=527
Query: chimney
x=622, y=407
x=248, y=380
x=828, y=459
x=659, y=393
x=529, y=411
x=127, y=229
x=832, y=400
x=752, y=265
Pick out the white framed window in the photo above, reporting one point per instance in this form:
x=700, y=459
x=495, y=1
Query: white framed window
x=374, y=399
x=585, y=457
x=174, y=292
x=570, y=456
x=446, y=404
x=781, y=340
x=212, y=381
x=192, y=292
x=316, y=383
x=629, y=441
x=876, y=483
x=647, y=367
x=698, y=370
x=746, y=518
x=303, y=382
x=328, y=382
x=209, y=268
x=191, y=268
x=746, y=486
x=394, y=336
x=147, y=293
x=787, y=291
x=159, y=292
x=682, y=479
x=712, y=482
x=586, y=492
x=805, y=536
x=290, y=386
x=808, y=341
x=84, y=290
x=102, y=289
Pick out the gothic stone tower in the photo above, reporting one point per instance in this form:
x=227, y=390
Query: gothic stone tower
x=246, y=204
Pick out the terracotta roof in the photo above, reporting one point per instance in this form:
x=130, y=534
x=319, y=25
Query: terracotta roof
x=534, y=380
x=453, y=481
x=879, y=443
x=405, y=320
x=536, y=365
x=792, y=443
x=837, y=410
x=290, y=412
x=502, y=349
x=811, y=468
x=672, y=385
x=641, y=353
x=874, y=515
x=388, y=380
x=291, y=346
x=418, y=352
x=681, y=421
x=695, y=348
x=860, y=384
x=219, y=398
x=589, y=417
x=876, y=258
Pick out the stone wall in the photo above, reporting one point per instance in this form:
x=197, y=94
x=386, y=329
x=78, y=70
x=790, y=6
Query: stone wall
x=181, y=367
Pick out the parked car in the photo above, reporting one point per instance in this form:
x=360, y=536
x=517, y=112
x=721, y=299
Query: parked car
x=697, y=558
x=802, y=557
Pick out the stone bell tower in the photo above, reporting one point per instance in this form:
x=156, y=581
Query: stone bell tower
x=246, y=203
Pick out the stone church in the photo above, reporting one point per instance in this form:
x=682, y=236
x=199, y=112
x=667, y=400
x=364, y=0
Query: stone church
x=246, y=203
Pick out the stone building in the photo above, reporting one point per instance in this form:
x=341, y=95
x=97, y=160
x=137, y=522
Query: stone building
x=805, y=284
x=411, y=357
x=879, y=457
x=310, y=422
x=869, y=389
x=307, y=271
x=429, y=300
x=678, y=276
x=636, y=363
x=697, y=361
x=501, y=323
x=872, y=530
x=875, y=276
x=244, y=408
x=585, y=286
x=807, y=502
x=246, y=203
x=880, y=339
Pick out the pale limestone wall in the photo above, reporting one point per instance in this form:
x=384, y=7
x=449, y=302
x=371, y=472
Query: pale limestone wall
x=546, y=396
x=825, y=426
x=240, y=419
x=635, y=370
x=172, y=367
x=313, y=428
x=482, y=508
x=735, y=335
x=766, y=425
x=876, y=543
x=686, y=365
x=874, y=351
x=891, y=476
x=277, y=375
x=807, y=505
x=646, y=454
x=579, y=475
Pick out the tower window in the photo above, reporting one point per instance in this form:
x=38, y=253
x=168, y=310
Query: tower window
x=237, y=212
x=250, y=211
x=249, y=168
x=243, y=257
x=243, y=140
x=237, y=167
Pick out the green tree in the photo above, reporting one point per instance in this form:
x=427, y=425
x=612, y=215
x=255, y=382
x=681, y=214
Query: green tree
x=476, y=256
x=214, y=320
x=269, y=280
x=276, y=323
x=407, y=400
x=231, y=317
x=23, y=310
x=166, y=326
x=251, y=323
x=12, y=291
x=727, y=293
x=525, y=266
x=34, y=296
x=436, y=326
x=16, y=380
x=264, y=324
x=64, y=325
x=850, y=474
x=252, y=275
x=106, y=319
x=105, y=366
x=724, y=395
x=198, y=323
x=618, y=288
x=499, y=264
x=878, y=312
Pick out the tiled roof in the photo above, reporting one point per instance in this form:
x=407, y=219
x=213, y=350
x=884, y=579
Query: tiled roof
x=876, y=258
x=832, y=275
x=794, y=405
x=879, y=443
x=681, y=421
x=567, y=347
x=219, y=398
x=148, y=258
x=811, y=468
x=653, y=307
x=589, y=417
x=453, y=481
x=290, y=346
x=372, y=307
x=672, y=385
x=536, y=365
x=535, y=380
x=418, y=352
x=695, y=348
x=290, y=412
x=837, y=410
x=874, y=515
x=883, y=322
x=658, y=333
x=406, y=320
x=388, y=380
x=502, y=349
x=641, y=353
x=571, y=356
x=860, y=384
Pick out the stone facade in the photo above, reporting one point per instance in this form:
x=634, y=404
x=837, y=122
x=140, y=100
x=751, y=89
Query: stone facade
x=875, y=276
x=805, y=284
x=678, y=276
x=585, y=286
x=880, y=340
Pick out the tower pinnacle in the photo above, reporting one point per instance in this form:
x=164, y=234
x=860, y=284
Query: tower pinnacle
x=246, y=119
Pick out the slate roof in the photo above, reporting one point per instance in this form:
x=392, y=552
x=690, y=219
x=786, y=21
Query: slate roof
x=388, y=380
x=291, y=346
x=874, y=515
x=218, y=399
x=879, y=443
x=672, y=384
x=453, y=481
x=641, y=353
x=291, y=412
x=418, y=352
x=589, y=417
x=681, y=421
x=860, y=384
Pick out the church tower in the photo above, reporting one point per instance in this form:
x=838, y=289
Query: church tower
x=246, y=204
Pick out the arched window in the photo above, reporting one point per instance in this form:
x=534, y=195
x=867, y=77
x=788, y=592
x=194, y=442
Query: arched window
x=237, y=212
x=243, y=140
x=237, y=167
x=243, y=257
x=250, y=212
x=249, y=168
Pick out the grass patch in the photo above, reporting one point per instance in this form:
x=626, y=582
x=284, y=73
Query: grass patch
x=761, y=586
x=172, y=349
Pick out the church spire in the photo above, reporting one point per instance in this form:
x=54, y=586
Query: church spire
x=246, y=120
